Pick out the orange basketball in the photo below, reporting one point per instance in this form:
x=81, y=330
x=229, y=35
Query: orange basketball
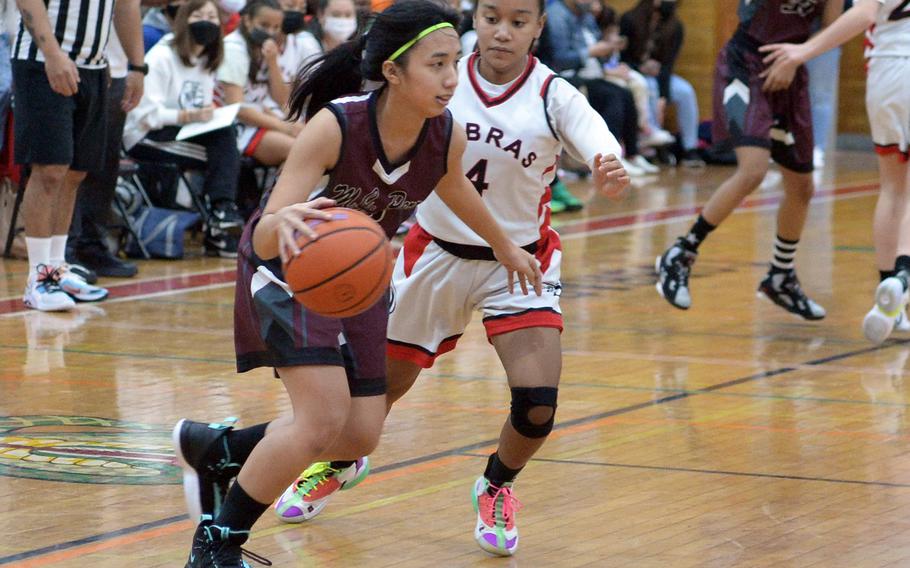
x=345, y=270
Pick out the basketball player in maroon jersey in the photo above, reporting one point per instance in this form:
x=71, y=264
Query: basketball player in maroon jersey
x=384, y=152
x=887, y=23
x=759, y=124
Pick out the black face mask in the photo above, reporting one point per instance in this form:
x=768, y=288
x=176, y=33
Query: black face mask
x=204, y=33
x=293, y=22
x=171, y=10
x=259, y=36
x=667, y=10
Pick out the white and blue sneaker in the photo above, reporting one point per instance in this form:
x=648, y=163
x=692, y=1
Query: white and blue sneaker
x=77, y=287
x=43, y=291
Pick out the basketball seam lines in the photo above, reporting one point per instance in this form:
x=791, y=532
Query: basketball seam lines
x=370, y=294
x=382, y=243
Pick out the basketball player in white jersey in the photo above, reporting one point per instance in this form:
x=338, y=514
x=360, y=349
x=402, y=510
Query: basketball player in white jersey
x=888, y=105
x=518, y=117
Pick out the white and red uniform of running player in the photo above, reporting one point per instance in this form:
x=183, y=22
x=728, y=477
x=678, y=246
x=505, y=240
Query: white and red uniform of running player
x=887, y=92
x=516, y=133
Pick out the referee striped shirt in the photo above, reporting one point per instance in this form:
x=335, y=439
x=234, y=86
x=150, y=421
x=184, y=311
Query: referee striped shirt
x=81, y=27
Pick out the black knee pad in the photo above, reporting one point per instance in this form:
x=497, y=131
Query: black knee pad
x=524, y=400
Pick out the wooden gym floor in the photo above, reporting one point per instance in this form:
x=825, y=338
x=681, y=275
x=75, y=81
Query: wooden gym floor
x=729, y=435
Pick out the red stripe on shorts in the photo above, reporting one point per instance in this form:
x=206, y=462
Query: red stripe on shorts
x=415, y=243
x=892, y=149
x=254, y=143
x=524, y=320
x=418, y=355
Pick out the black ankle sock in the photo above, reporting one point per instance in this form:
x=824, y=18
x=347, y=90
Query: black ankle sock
x=341, y=464
x=239, y=513
x=498, y=473
x=902, y=264
x=883, y=274
x=241, y=442
x=698, y=233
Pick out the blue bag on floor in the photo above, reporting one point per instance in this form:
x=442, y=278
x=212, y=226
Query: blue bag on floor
x=161, y=231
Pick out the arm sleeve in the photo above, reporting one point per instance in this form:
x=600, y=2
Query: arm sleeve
x=563, y=55
x=235, y=66
x=579, y=127
x=156, y=110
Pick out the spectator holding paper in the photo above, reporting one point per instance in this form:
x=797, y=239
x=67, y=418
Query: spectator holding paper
x=179, y=91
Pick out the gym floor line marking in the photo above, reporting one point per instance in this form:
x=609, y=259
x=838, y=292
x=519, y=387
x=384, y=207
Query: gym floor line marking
x=572, y=229
x=717, y=472
x=607, y=386
x=667, y=215
x=74, y=549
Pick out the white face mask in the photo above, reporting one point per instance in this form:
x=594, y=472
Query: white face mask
x=339, y=29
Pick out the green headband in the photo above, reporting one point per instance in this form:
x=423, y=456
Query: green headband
x=419, y=37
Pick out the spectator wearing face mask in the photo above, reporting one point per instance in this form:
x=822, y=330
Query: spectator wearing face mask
x=251, y=74
x=655, y=38
x=179, y=90
x=159, y=22
x=335, y=23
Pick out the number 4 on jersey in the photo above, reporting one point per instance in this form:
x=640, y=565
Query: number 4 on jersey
x=477, y=175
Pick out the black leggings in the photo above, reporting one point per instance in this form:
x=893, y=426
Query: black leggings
x=617, y=107
x=221, y=166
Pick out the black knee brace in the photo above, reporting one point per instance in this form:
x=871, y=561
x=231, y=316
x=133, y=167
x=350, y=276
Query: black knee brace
x=524, y=400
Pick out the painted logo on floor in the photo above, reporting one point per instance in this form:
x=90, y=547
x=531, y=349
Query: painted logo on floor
x=86, y=449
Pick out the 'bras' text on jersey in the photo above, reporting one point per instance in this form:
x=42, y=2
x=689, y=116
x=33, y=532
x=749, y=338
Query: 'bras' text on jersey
x=494, y=136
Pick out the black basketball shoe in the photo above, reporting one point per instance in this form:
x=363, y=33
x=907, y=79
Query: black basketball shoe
x=202, y=451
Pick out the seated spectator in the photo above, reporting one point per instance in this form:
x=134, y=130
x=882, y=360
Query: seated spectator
x=334, y=24
x=6, y=76
x=466, y=27
x=251, y=74
x=571, y=45
x=655, y=37
x=158, y=22
x=621, y=74
x=178, y=91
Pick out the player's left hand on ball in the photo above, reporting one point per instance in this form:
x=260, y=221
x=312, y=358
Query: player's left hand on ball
x=521, y=262
x=609, y=175
x=292, y=224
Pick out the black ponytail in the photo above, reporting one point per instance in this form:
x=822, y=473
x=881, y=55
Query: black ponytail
x=342, y=70
x=327, y=77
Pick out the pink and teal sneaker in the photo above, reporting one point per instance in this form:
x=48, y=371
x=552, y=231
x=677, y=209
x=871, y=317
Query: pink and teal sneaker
x=495, y=507
x=309, y=495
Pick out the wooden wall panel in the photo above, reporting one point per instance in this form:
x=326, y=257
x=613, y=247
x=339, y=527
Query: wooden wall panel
x=852, y=116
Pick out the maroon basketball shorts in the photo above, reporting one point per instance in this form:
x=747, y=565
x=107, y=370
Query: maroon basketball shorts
x=272, y=329
x=744, y=115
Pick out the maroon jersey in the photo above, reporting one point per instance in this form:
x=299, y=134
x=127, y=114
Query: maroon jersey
x=271, y=329
x=777, y=21
x=365, y=179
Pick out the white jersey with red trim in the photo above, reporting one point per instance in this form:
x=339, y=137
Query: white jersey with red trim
x=890, y=36
x=516, y=133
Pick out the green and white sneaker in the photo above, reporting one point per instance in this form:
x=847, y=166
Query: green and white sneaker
x=308, y=496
